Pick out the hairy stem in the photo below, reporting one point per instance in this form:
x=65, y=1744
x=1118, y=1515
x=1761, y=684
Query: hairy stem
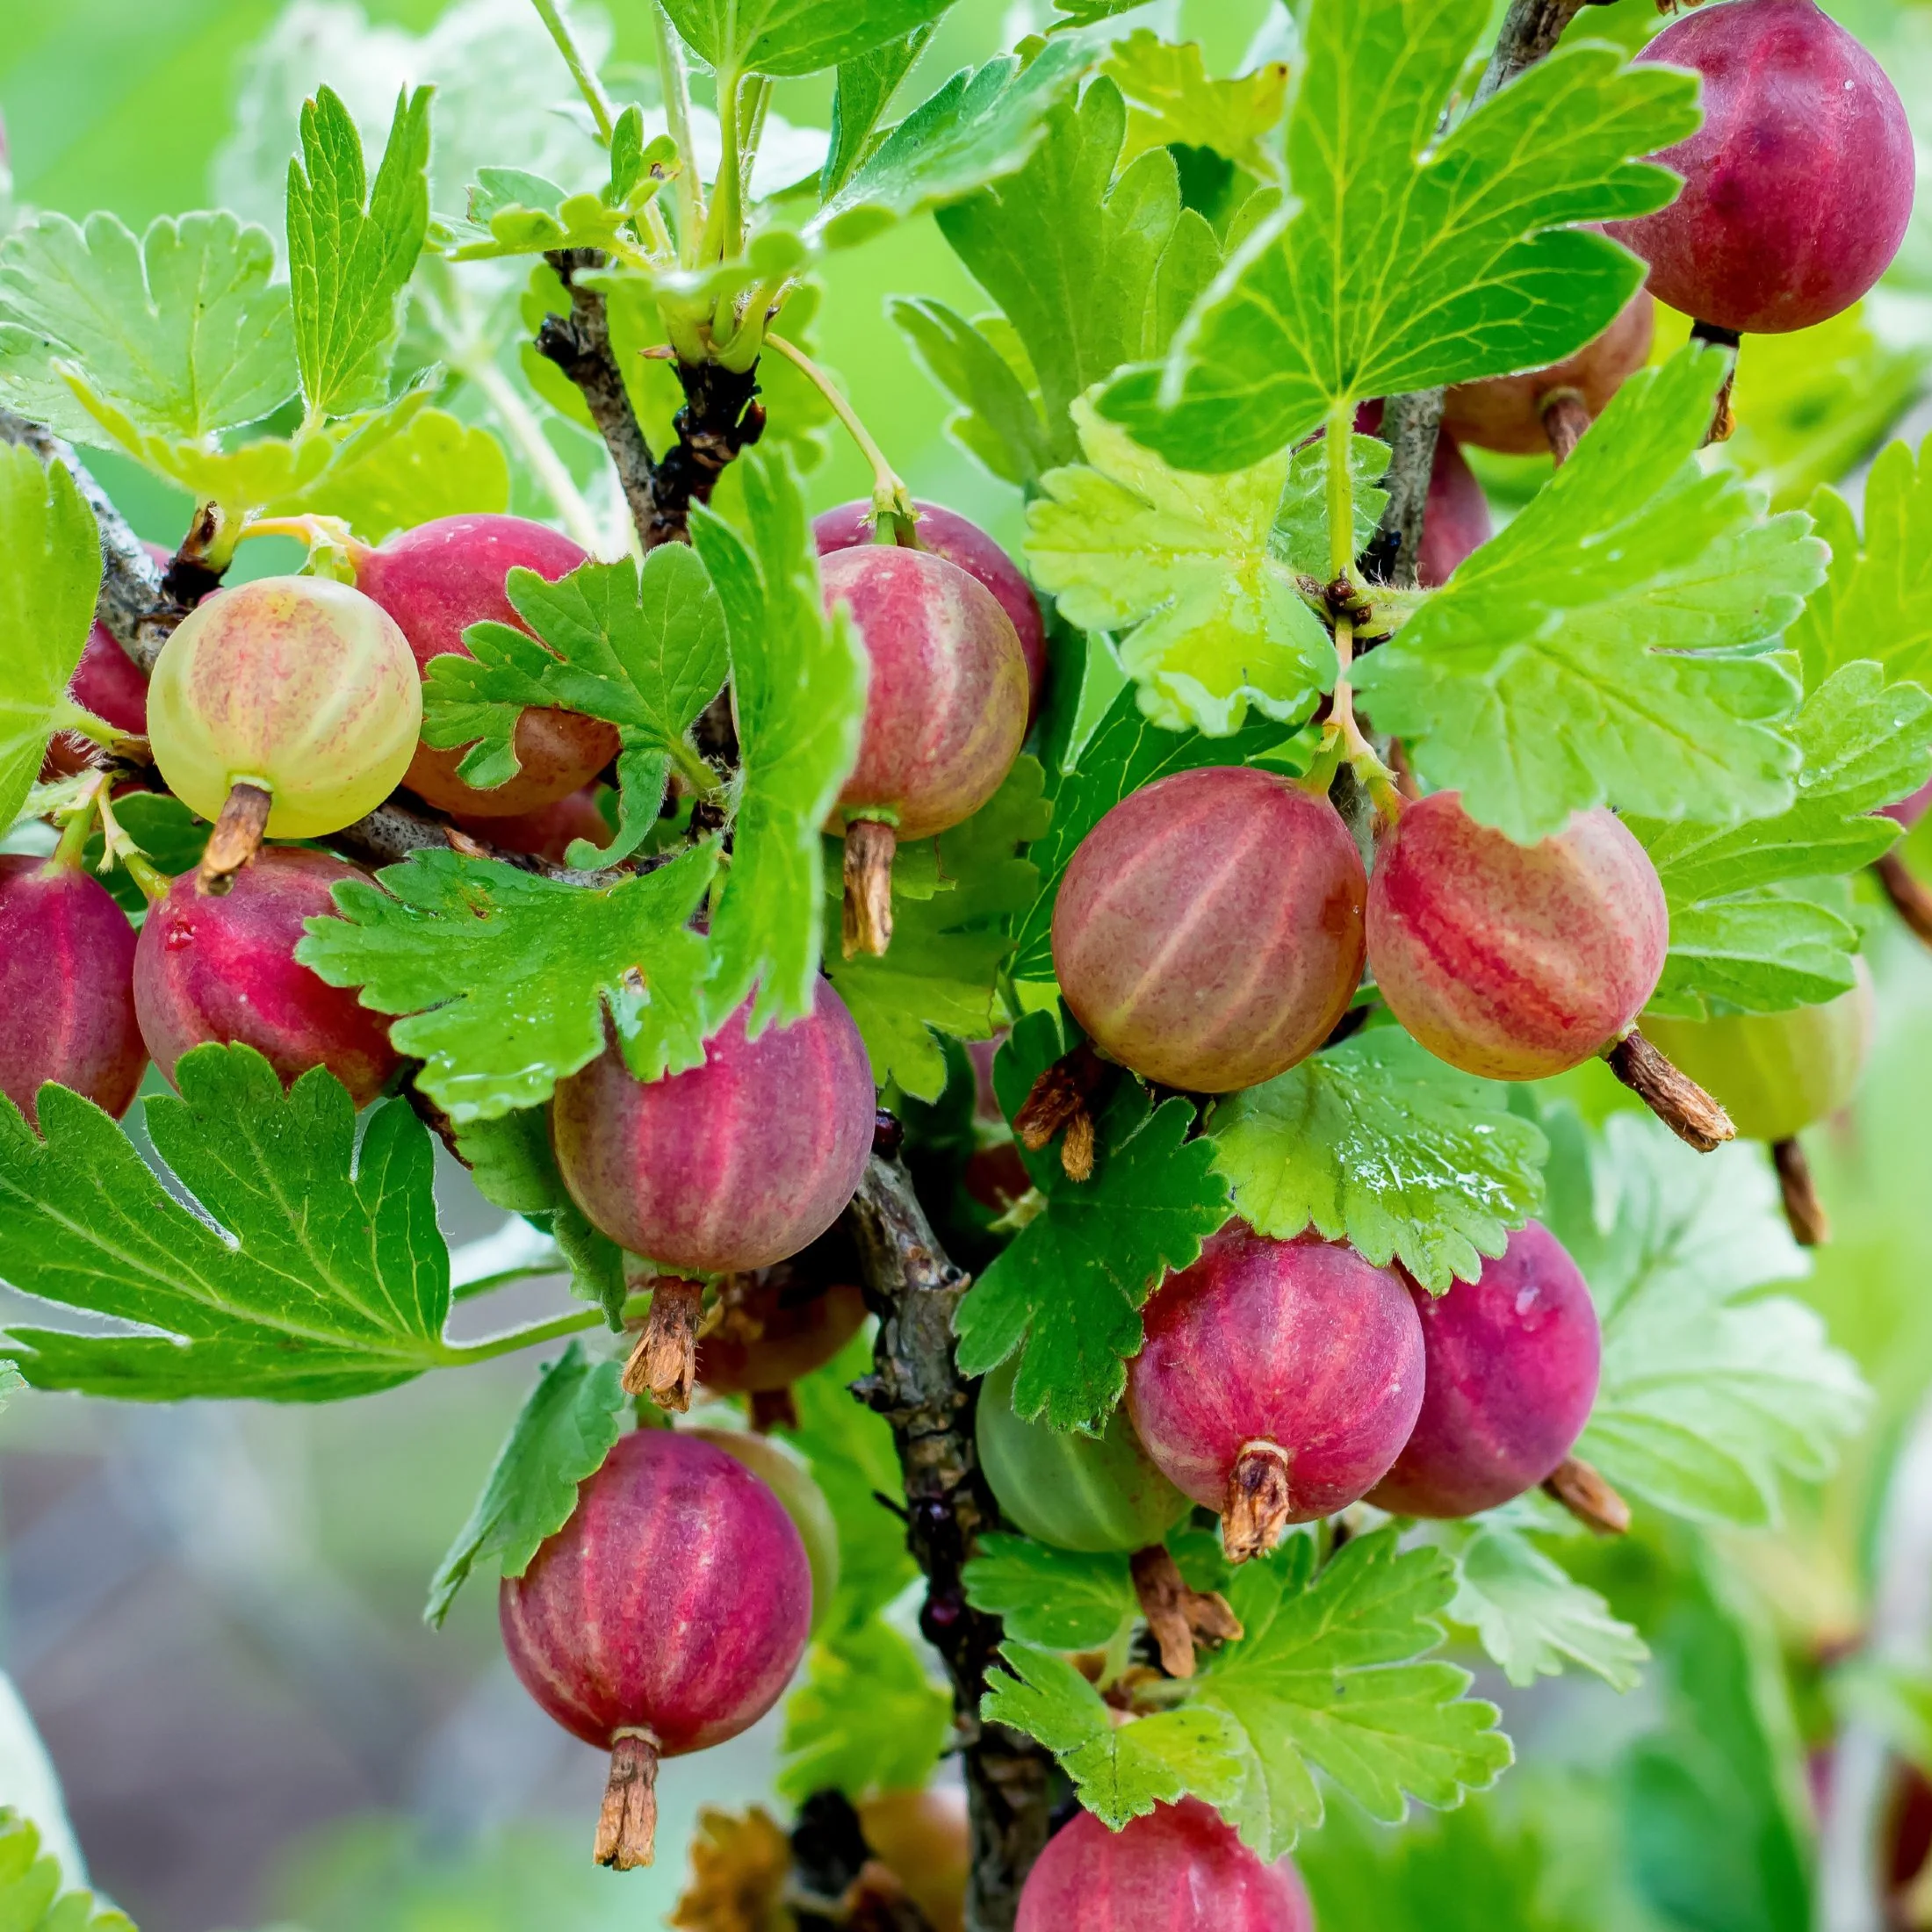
x=916, y=1385
x=581, y=70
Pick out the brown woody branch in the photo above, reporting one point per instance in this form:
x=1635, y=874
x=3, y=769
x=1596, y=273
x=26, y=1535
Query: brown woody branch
x=916, y=1385
x=720, y=417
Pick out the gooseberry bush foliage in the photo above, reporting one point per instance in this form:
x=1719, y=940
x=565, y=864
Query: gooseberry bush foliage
x=1141, y=995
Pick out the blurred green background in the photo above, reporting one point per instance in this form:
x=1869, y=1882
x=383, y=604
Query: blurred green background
x=214, y=1615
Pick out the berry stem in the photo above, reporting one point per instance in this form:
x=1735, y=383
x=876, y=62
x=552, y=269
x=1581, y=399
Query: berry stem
x=1588, y=1497
x=866, y=921
x=70, y=850
x=1810, y=1226
x=1677, y=1100
x=236, y=837
x=1259, y=1502
x=580, y=70
x=891, y=498
x=627, y=1826
x=1911, y=899
x=1565, y=416
x=1723, y=421
x=664, y=1363
x=1177, y=1615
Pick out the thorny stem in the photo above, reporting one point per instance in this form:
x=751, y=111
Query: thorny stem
x=580, y=70
x=674, y=84
x=889, y=495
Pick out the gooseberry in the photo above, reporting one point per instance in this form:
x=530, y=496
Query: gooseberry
x=778, y=1324
x=66, y=998
x=1455, y=519
x=785, y=1475
x=298, y=686
x=945, y=713
x=1797, y=186
x=1512, y=1359
x=1908, y=811
x=1077, y=1492
x=1508, y=413
x=544, y=832
x=923, y=1837
x=110, y=684
x=665, y=1616
x=947, y=534
x=1182, y=1868
x=1208, y=930
x=734, y=1165
x=437, y=579
x=224, y=969
x=1514, y=962
x=1775, y=1072
x=1278, y=1382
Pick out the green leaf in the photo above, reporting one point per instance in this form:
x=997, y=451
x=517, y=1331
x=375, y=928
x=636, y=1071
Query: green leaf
x=181, y=330
x=644, y=651
x=1410, y=257
x=938, y=975
x=1706, y=1397
x=867, y=1718
x=352, y=249
x=459, y=944
x=979, y=127
x=33, y=1897
x=1084, y=264
x=1597, y=651
x=1302, y=525
x=50, y=570
x=1377, y=1143
x=1182, y=565
x=798, y=681
x=864, y=87
x=382, y=477
x=1532, y=1618
x=1127, y=752
x=1070, y=1288
x=513, y=1164
x=1064, y=1600
x=567, y=1425
x=313, y=1269
x=785, y=37
x=1327, y=1678
x=1119, y=1771
x=1877, y=601
x=999, y=421
x=1171, y=98
x=1735, y=937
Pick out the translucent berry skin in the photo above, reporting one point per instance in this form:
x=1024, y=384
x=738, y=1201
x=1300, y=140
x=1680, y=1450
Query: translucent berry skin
x=734, y=1165
x=296, y=683
x=437, y=579
x=1209, y=931
x=1512, y=1360
x=805, y=1323
x=1798, y=186
x=545, y=830
x=1179, y=1868
x=1514, y=962
x=677, y=1597
x=947, y=534
x=946, y=708
x=787, y=1479
x=224, y=970
x=1301, y=1344
x=923, y=1837
x=1775, y=1072
x=1075, y=1491
x=67, y=988
x=1505, y=413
